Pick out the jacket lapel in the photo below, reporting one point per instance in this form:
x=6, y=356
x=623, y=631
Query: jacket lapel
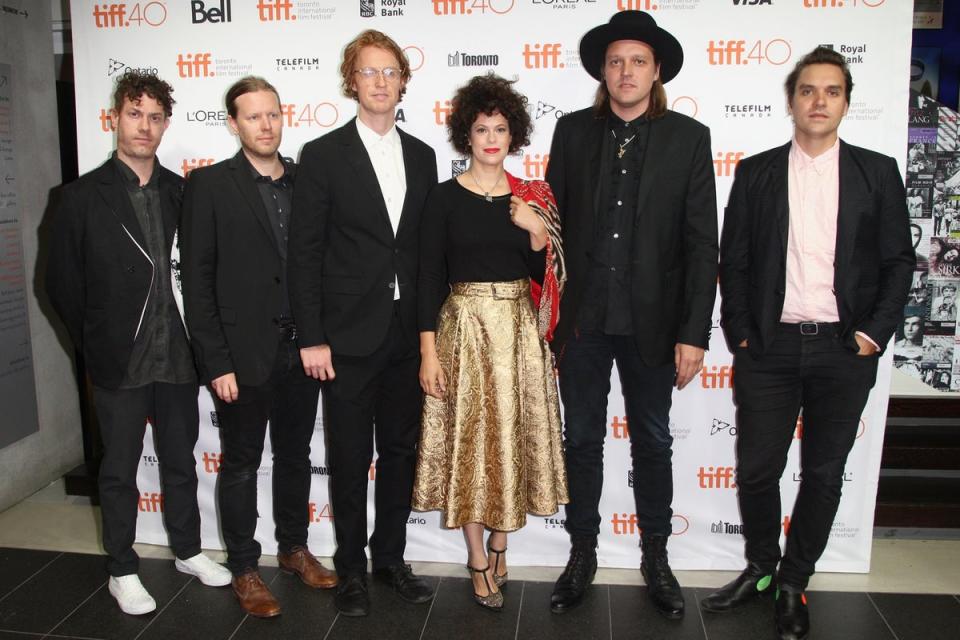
x=852, y=196
x=650, y=170
x=409, y=166
x=593, y=154
x=241, y=176
x=356, y=155
x=778, y=189
x=111, y=188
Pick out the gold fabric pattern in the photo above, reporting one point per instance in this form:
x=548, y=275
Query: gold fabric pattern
x=491, y=450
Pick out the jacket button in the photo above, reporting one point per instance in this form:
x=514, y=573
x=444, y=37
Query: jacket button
x=276, y=279
x=392, y=285
x=131, y=269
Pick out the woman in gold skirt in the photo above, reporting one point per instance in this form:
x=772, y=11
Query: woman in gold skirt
x=491, y=274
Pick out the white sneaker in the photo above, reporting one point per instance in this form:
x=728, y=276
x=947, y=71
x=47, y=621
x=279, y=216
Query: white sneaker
x=131, y=596
x=207, y=571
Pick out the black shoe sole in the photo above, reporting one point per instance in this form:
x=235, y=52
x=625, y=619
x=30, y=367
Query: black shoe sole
x=766, y=593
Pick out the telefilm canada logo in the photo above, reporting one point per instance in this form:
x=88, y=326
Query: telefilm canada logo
x=298, y=63
x=747, y=111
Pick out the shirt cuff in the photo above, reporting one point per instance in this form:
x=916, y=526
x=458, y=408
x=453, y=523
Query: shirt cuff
x=868, y=339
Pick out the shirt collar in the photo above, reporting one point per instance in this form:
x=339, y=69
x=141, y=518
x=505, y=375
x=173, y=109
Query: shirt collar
x=130, y=176
x=289, y=170
x=803, y=161
x=369, y=136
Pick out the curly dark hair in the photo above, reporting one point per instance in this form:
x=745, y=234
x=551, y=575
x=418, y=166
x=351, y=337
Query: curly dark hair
x=133, y=84
x=487, y=94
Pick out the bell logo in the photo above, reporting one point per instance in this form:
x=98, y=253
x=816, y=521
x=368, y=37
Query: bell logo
x=219, y=12
x=275, y=10
x=717, y=377
x=151, y=503
x=106, y=121
x=319, y=514
x=618, y=428
x=193, y=65
x=636, y=5
x=542, y=56
x=119, y=14
x=717, y=478
x=535, y=166
x=188, y=165
x=726, y=162
x=441, y=113
x=211, y=462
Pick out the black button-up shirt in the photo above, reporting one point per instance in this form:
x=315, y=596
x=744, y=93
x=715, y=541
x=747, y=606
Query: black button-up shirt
x=277, y=196
x=160, y=351
x=606, y=304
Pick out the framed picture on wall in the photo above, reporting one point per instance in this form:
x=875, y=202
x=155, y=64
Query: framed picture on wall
x=925, y=71
x=927, y=14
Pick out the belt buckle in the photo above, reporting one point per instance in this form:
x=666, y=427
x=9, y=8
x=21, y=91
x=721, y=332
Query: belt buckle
x=496, y=295
x=809, y=328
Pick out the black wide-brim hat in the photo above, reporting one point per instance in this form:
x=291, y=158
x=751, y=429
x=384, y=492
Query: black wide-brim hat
x=631, y=25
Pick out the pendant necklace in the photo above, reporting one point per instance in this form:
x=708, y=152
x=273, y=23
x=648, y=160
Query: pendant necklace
x=486, y=194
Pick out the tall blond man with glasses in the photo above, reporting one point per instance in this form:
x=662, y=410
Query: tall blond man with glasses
x=352, y=265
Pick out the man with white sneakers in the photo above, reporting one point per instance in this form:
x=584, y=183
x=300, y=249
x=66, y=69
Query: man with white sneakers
x=109, y=279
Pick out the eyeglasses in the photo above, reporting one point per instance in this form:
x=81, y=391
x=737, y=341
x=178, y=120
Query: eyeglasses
x=388, y=73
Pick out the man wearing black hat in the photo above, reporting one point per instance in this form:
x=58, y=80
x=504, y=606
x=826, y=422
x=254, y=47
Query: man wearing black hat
x=635, y=186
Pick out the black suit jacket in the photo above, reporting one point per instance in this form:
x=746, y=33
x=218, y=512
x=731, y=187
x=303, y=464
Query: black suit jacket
x=232, y=287
x=99, y=274
x=673, y=277
x=874, y=254
x=342, y=254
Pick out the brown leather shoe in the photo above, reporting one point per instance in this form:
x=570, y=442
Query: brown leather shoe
x=313, y=574
x=254, y=596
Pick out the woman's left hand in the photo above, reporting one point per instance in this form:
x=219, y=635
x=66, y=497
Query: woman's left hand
x=523, y=216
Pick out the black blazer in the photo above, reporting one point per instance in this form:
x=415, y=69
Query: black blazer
x=231, y=271
x=342, y=254
x=99, y=274
x=673, y=275
x=874, y=254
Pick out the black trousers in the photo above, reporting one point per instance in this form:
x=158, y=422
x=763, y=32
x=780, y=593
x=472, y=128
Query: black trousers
x=830, y=383
x=288, y=401
x=647, y=392
x=376, y=393
x=123, y=415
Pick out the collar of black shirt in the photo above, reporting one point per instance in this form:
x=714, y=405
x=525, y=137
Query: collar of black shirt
x=621, y=128
x=286, y=180
x=130, y=177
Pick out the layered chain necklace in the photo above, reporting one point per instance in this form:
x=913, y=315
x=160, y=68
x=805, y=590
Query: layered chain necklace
x=486, y=193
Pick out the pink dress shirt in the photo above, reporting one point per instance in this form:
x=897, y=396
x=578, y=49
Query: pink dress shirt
x=814, y=195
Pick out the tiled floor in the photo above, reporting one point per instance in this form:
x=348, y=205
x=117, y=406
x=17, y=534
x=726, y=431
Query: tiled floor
x=64, y=595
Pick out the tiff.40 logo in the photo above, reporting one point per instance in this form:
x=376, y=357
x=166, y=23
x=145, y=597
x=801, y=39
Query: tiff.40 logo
x=736, y=52
x=120, y=14
x=468, y=7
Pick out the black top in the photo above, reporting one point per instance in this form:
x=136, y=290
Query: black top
x=160, y=351
x=603, y=308
x=277, y=197
x=464, y=238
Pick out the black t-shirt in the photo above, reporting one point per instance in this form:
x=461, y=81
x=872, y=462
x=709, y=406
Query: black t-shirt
x=464, y=238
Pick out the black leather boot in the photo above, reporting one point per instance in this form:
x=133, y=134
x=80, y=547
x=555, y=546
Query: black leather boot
x=750, y=584
x=662, y=586
x=577, y=576
x=793, y=618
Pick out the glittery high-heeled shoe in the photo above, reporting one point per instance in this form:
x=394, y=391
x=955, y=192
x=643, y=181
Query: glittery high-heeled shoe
x=492, y=601
x=499, y=579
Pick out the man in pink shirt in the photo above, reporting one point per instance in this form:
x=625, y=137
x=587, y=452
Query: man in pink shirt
x=815, y=266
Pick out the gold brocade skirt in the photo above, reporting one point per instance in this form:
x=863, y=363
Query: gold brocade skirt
x=491, y=450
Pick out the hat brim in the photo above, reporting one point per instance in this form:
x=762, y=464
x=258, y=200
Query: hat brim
x=667, y=49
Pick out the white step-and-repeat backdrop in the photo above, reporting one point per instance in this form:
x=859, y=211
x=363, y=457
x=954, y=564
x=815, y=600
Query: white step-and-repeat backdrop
x=738, y=53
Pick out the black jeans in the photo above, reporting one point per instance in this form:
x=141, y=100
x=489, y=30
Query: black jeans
x=288, y=400
x=647, y=391
x=830, y=383
x=380, y=392
x=122, y=415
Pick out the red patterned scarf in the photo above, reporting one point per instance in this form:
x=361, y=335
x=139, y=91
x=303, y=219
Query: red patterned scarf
x=537, y=194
